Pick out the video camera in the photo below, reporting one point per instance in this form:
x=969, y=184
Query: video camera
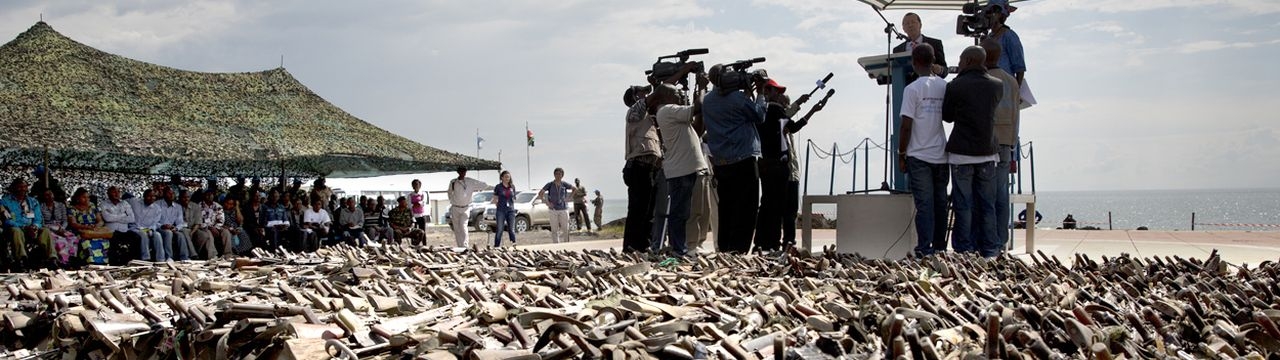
x=735, y=76
x=663, y=70
x=976, y=21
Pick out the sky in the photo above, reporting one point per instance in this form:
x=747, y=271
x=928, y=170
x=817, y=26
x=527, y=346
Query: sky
x=1138, y=94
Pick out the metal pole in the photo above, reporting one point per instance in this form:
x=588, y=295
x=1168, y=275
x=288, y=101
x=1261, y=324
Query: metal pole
x=831, y=185
x=807, y=144
x=866, y=165
x=1031, y=150
x=528, y=178
x=1109, y=227
x=854, y=178
x=1017, y=157
x=1193, y=221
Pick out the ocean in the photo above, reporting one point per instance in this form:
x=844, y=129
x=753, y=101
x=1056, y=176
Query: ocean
x=1155, y=209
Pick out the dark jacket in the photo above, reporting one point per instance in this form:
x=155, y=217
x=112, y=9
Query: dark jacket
x=970, y=103
x=939, y=57
x=772, y=135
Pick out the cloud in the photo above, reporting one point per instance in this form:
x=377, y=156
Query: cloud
x=1253, y=7
x=1115, y=29
x=1214, y=45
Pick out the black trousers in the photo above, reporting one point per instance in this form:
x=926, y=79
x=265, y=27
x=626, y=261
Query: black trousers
x=790, y=210
x=638, y=177
x=773, y=197
x=580, y=214
x=738, y=186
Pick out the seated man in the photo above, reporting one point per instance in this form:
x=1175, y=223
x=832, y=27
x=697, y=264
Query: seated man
x=213, y=221
x=126, y=238
x=172, y=223
x=297, y=237
x=23, y=223
x=274, y=220
x=351, y=218
x=193, y=215
x=315, y=225
x=373, y=228
x=147, y=214
x=402, y=223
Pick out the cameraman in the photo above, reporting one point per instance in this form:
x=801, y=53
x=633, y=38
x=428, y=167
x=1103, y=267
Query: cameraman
x=1011, y=57
x=644, y=161
x=731, y=117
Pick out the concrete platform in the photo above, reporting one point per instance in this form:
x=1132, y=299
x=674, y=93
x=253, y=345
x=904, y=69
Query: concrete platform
x=1251, y=247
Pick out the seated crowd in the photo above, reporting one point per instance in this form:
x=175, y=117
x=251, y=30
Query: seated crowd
x=44, y=228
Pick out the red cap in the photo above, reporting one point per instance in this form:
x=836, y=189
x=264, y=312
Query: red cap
x=774, y=83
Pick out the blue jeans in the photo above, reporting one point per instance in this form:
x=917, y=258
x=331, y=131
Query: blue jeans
x=175, y=243
x=681, y=190
x=506, y=221
x=152, y=245
x=973, y=199
x=1002, y=194
x=928, y=185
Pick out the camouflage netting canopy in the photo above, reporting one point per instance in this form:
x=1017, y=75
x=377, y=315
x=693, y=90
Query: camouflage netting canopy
x=90, y=110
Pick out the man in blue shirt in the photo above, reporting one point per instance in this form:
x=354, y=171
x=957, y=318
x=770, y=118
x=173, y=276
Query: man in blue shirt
x=556, y=195
x=731, y=118
x=1011, y=57
x=23, y=221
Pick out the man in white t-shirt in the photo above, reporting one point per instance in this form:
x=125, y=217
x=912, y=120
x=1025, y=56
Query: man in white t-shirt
x=460, y=191
x=922, y=152
x=683, y=163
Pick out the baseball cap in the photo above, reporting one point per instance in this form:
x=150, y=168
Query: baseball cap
x=774, y=83
x=1004, y=6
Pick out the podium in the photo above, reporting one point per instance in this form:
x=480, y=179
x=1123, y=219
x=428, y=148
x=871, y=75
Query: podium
x=891, y=70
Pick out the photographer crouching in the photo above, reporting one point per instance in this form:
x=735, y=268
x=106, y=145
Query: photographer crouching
x=731, y=118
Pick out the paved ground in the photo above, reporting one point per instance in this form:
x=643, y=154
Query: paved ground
x=1250, y=247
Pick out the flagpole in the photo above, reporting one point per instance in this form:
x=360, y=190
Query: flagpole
x=528, y=179
x=477, y=142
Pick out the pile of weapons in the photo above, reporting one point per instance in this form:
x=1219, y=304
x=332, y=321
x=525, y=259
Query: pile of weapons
x=432, y=303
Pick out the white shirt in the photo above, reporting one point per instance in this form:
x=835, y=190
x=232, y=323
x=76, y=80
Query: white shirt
x=316, y=217
x=172, y=214
x=147, y=216
x=461, y=190
x=683, y=155
x=958, y=159
x=922, y=102
x=117, y=215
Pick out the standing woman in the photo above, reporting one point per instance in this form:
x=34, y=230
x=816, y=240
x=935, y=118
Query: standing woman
x=418, y=204
x=504, y=196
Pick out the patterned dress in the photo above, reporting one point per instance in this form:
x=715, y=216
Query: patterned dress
x=93, y=251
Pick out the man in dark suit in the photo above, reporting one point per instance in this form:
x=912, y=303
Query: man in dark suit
x=911, y=24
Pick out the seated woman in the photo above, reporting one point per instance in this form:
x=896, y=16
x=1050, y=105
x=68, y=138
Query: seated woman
x=66, y=244
x=240, y=242
x=86, y=221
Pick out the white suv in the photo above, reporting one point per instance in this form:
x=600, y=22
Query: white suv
x=531, y=212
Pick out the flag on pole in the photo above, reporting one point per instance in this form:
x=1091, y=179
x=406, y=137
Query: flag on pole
x=530, y=137
x=479, y=142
